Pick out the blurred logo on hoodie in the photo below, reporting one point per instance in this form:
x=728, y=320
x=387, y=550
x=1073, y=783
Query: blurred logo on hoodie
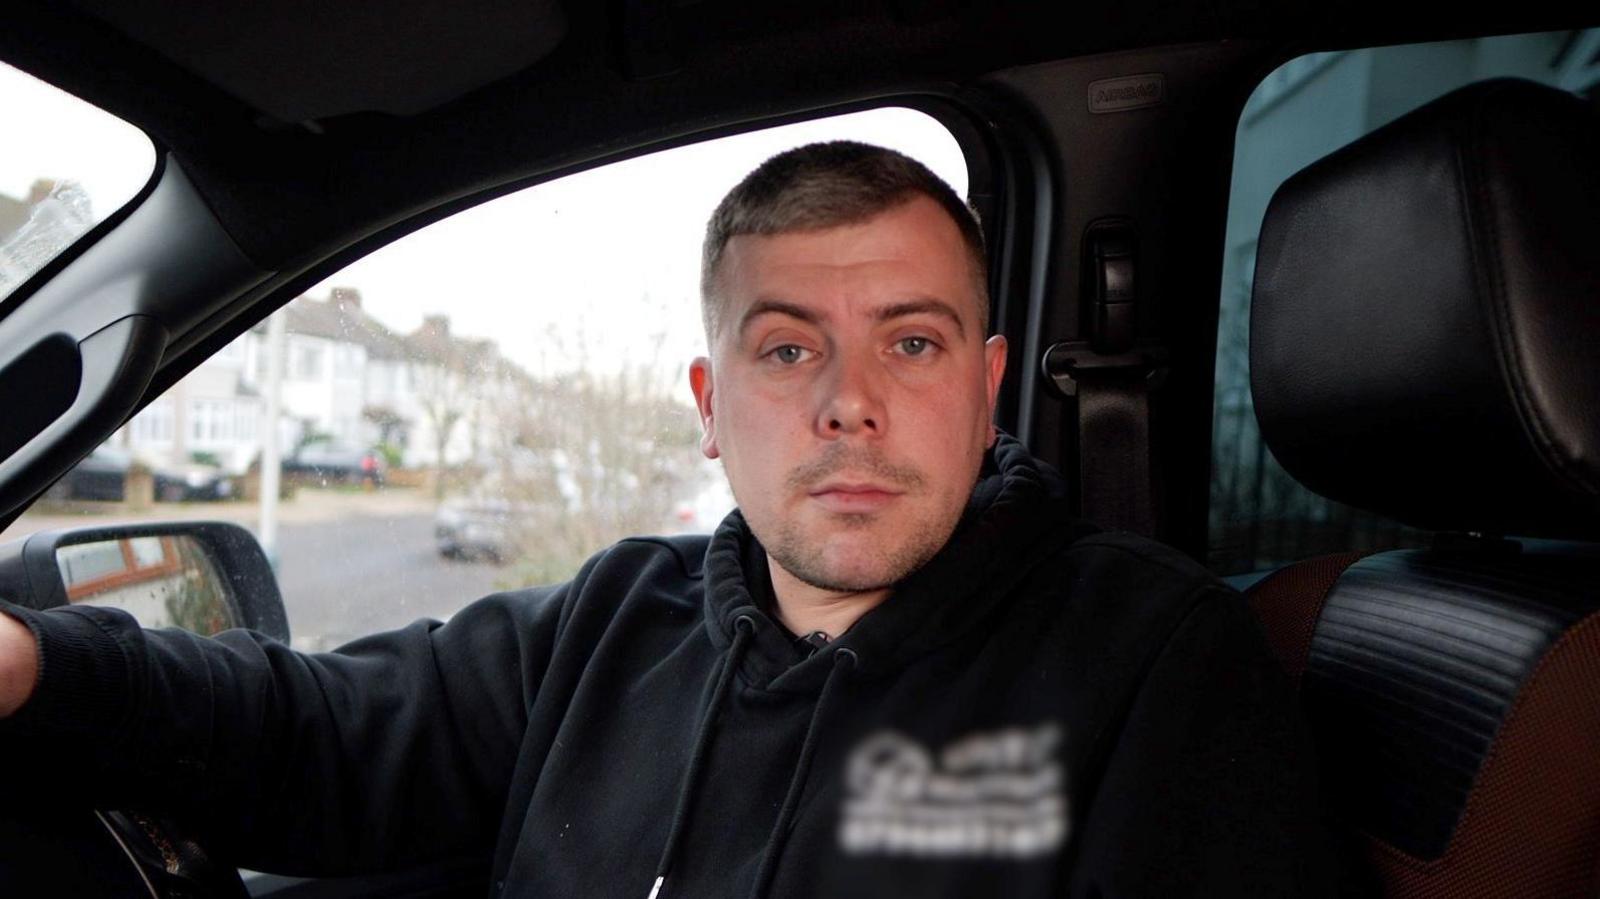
x=998, y=794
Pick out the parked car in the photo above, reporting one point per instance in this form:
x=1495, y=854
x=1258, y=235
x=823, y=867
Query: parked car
x=330, y=463
x=191, y=481
x=100, y=476
x=103, y=475
x=476, y=527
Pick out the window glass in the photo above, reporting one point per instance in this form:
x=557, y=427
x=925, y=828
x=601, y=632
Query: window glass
x=147, y=552
x=90, y=561
x=161, y=581
x=64, y=166
x=479, y=406
x=1260, y=517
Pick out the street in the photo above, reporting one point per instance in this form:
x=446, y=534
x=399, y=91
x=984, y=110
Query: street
x=345, y=578
x=348, y=563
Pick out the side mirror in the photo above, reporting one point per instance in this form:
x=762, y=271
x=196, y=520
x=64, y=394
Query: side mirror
x=202, y=576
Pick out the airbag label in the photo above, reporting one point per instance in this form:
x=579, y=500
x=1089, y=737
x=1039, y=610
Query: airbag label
x=1130, y=92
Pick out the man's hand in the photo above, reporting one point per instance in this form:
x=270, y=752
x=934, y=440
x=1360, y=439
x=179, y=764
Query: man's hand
x=19, y=664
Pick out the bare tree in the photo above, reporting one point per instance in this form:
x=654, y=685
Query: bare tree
x=445, y=370
x=590, y=456
x=390, y=424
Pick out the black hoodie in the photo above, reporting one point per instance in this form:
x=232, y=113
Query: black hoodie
x=1041, y=710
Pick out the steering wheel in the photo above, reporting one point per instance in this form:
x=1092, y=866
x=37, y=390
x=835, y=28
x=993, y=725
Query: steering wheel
x=60, y=849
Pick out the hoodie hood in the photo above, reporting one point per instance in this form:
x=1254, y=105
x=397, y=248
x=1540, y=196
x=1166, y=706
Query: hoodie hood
x=963, y=584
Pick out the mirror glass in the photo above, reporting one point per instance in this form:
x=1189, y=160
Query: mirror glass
x=162, y=581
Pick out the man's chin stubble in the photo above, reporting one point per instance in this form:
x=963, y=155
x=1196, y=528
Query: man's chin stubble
x=807, y=565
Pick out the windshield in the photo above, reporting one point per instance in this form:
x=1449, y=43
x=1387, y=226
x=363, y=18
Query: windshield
x=64, y=167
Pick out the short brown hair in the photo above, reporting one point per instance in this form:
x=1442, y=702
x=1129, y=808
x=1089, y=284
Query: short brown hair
x=826, y=185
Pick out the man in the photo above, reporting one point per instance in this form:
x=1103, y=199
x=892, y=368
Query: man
x=899, y=669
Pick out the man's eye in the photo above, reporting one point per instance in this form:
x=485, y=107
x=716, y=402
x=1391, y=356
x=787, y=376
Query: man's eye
x=915, y=346
x=789, y=354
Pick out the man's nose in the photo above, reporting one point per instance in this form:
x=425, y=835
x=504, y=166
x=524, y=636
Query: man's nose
x=853, y=403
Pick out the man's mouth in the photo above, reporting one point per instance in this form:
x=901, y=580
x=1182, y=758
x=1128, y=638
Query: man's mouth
x=854, y=497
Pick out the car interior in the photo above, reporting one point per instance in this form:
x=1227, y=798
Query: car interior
x=1424, y=318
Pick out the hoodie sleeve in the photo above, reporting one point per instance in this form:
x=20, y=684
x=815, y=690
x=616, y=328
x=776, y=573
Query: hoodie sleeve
x=308, y=764
x=1209, y=789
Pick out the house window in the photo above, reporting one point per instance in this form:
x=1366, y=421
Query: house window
x=199, y=420
x=92, y=569
x=307, y=364
x=160, y=581
x=347, y=361
x=153, y=424
x=244, y=421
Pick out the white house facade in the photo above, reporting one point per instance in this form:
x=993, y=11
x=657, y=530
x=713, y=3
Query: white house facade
x=346, y=378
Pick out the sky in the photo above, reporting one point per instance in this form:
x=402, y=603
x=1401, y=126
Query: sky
x=607, y=258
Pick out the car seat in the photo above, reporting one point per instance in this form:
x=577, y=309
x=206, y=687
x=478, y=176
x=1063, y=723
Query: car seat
x=1425, y=344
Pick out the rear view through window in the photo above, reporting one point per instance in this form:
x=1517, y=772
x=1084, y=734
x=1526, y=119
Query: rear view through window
x=64, y=167
x=1260, y=516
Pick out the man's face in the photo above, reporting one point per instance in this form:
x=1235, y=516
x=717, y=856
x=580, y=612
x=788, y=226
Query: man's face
x=850, y=391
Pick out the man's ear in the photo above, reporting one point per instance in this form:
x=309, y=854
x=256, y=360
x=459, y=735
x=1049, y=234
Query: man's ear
x=700, y=383
x=994, y=360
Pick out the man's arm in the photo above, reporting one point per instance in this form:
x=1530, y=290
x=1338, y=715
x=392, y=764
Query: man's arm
x=1210, y=787
x=397, y=749
x=19, y=664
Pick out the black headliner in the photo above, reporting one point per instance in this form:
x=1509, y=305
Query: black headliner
x=625, y=75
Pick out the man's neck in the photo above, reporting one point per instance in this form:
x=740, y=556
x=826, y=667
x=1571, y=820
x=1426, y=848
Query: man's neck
x=805, y=609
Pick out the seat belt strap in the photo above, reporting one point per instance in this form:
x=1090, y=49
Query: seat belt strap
x=1114, y=454
x=1115, y=480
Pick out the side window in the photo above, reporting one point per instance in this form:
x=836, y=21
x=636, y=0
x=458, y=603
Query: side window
x=1261, y=517
x=479, y=406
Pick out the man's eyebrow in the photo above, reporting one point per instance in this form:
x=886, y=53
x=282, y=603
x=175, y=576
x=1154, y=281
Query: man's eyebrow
x=778, y=307
x=928, y=305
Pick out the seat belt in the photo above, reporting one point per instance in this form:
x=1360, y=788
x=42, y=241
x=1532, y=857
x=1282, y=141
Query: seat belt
x=1114, y=454
x=1114, y=459
x=1111, y=378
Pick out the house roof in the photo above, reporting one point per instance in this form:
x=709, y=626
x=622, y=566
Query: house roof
x=433, y=341
x=343, y=319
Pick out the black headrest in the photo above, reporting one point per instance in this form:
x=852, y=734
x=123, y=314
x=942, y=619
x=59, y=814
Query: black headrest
x=1425, y=328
